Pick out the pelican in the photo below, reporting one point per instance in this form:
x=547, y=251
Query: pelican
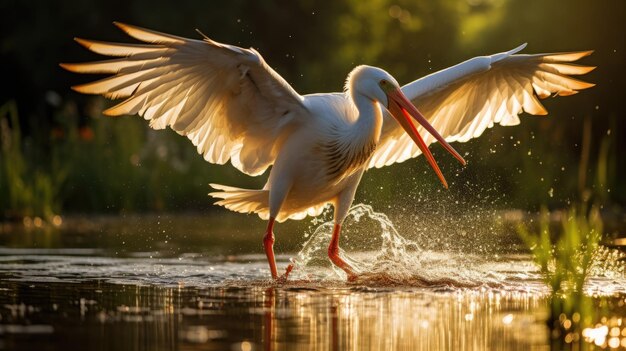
x=234, y=107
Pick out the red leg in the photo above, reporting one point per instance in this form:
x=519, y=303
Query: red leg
x=269, y=319
x=268, y=244
x=333, y=254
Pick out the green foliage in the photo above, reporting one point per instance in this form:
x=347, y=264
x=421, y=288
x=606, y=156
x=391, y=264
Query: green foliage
x=25, y=189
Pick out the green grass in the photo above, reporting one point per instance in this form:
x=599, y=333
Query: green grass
x=25, y=189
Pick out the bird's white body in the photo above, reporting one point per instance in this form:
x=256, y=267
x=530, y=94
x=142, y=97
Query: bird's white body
x=233, y=106
x=323, y=161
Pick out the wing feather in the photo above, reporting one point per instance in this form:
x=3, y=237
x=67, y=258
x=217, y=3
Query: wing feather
x=121, y=49
x=112, y=65
x=218, y=95
x=461, y=102
x=149, y=36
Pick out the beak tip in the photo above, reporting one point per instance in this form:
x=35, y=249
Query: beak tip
x=445, y=183
x=460, y=159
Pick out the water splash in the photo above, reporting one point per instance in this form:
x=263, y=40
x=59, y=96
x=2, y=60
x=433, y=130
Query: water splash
x=380, y=255
x=383, y=257
x=608, y=263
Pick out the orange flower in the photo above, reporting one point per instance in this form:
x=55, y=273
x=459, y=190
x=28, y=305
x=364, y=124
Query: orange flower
x=85, y=133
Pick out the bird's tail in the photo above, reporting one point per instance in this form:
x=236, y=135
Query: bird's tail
x=242, y=200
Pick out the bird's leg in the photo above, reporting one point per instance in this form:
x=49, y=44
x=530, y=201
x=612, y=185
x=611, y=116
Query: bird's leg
x=268, y=244
x=333, y=254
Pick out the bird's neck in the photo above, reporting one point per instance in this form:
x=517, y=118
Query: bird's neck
x=351, y=146
x=369, y=123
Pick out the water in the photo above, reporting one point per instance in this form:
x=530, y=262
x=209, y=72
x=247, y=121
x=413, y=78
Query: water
x=185, y=283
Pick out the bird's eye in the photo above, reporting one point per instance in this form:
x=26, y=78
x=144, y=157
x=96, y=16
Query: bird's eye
x=383, y=82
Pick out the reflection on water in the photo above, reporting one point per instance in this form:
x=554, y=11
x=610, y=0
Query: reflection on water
x=263, y=317
x=66, y=297
x=295, y=317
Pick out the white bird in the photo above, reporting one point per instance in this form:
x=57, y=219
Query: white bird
x=233, y=106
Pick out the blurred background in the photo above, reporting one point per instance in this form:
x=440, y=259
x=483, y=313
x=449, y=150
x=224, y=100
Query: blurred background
x=59, y=155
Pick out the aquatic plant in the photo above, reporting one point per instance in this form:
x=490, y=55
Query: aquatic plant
x=565, y=262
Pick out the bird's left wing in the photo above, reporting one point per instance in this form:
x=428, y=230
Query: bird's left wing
x=225, y=99
x=462, y=101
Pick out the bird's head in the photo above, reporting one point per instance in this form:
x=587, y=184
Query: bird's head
x=368, y=81
x=379, y=86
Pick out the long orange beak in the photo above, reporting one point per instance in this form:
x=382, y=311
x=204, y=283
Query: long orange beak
x=402, y=110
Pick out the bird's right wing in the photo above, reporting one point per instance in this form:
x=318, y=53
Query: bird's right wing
x=225, y=99
x=462, y=101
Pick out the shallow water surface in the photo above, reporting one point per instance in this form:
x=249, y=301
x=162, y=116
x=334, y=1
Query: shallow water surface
x=94, y=291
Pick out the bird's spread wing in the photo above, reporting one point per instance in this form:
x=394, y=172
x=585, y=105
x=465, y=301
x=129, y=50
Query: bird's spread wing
x=464, y=100
x=225, y=99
